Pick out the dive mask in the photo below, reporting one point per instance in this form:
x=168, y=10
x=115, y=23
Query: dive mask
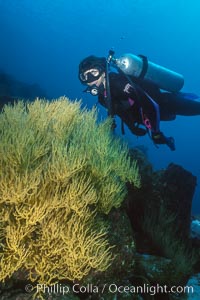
x=90, y=75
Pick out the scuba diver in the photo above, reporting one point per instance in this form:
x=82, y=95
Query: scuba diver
x=140, y=92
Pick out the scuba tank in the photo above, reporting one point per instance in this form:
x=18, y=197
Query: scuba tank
x=140, y=67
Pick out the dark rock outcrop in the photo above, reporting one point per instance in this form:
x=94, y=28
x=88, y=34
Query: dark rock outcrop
x=12, y=90
x=172, y=189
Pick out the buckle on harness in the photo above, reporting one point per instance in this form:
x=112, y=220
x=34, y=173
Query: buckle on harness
x=146, y=121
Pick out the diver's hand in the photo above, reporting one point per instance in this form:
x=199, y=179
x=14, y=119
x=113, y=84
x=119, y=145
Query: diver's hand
x=159, y=138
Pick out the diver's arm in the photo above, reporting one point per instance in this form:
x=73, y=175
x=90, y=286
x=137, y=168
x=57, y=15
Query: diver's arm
x=150, y=113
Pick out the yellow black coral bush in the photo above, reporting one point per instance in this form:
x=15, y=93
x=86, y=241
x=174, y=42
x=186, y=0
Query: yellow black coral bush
x=58, y=169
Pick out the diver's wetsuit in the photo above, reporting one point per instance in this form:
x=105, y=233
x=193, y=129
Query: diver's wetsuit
x=133, y=104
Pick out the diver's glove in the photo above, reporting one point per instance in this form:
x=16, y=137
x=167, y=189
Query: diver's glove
x=159, y=138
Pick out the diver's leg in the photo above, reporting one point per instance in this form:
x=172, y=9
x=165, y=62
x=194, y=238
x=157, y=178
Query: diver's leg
x=180, y=104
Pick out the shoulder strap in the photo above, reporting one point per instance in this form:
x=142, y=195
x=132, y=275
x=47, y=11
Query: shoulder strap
x=144, y=67
x=108, y=98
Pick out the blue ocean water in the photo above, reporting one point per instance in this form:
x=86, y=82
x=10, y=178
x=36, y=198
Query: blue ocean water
x=43, y=41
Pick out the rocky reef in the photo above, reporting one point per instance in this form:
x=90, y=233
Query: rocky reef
x=12, y=89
